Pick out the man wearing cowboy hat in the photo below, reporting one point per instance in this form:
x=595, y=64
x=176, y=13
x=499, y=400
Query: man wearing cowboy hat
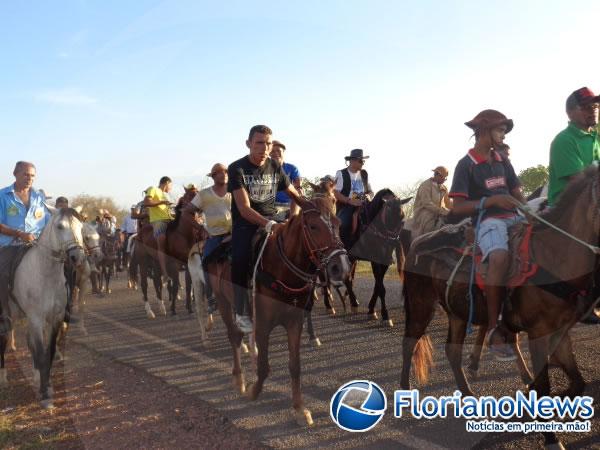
x=431, y=203
x=352, y=189
x=577, y=146
x=215, y=203
x=484, y=179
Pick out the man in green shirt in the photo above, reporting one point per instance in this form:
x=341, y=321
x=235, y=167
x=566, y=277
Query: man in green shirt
x=577, y=146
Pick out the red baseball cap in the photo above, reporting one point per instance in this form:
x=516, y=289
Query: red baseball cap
x=582, y=96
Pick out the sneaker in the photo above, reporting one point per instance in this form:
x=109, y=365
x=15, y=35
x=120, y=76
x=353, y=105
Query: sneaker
x=497, y=346
x=212, y=305
x=244, y=323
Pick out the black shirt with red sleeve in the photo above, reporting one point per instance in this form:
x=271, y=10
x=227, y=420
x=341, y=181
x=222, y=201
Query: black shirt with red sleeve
x=475, y=177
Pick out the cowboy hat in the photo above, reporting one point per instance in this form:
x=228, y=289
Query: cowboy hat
x=488, y=119
x=357, y=153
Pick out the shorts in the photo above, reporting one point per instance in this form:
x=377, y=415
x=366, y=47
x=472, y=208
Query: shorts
x=159, y=227
x=493, y=233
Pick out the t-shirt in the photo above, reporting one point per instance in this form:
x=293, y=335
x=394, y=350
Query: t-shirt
x=292, y=172
x=571, y=151
x=475, y=177
x=261, y=183
x=356, y=183
x=129, y=224
x=14, y=214
x=161, y=212
x=216, y=209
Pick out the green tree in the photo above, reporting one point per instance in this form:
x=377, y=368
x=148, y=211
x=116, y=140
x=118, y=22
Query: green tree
x=532, y=178
x=91, y=205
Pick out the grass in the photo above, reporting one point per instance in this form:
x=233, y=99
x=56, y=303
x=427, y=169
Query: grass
x=363, y=268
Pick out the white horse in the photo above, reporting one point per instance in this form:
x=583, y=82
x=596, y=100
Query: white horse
x=39, y=291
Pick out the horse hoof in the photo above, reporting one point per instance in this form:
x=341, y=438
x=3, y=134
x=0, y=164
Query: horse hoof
x=331, y=311
x=163, y=308
x=373, y=316
x=47, y=404
x=109, y=291
x=316, y=342
x=3, y=378
x=245, y=348
x=209, y=323
x=556, y=446
x=303, y=417
x=239, y=383
x=149, y=312
x=388, y=323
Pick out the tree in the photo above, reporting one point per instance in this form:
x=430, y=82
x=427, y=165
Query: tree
x=532, y=178
x=406, y=191
x=91, y=205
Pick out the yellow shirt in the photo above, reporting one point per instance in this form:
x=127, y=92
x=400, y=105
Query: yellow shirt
x=161, y=212
x=216, y=209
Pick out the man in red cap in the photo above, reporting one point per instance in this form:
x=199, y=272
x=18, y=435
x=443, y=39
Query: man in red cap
x=577, y=146
x=483, y=179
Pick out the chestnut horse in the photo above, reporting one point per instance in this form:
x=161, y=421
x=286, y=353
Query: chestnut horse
x=294, y=255
x=545, y=307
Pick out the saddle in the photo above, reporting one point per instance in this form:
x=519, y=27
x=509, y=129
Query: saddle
x=10, y=258
x=451, y=243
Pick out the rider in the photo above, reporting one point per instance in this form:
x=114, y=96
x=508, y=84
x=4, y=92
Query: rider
x=61, y=202
x=283, y=202
x=575, y=148
x=23, y=216
x=129, y=228
x=352, y=190
x=254, y=180
x=431, y=203
x=215, y=203
x=160, y=215
x=484, y=174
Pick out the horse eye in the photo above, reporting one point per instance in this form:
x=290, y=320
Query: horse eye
x=60, y=226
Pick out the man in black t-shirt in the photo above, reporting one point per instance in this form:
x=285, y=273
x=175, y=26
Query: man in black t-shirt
x=484, y=174
x=254, y=181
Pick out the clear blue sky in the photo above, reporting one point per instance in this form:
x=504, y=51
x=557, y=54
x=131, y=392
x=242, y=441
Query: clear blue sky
x=108, y=96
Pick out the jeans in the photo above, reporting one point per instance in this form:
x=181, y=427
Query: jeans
x=211, y=243
x=241, y=248
x=345, y=215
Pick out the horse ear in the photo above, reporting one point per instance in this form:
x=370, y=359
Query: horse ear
x=405, y=201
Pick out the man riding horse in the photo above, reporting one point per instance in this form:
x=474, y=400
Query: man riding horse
x=483, y=180
x=431, y=203
x=254, y=181
x=352, y=191
x=23, y=216
x=215, y=203
x=575, y=148
x=285, y=207
x=157, y=202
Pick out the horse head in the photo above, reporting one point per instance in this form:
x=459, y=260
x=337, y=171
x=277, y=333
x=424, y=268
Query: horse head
x=65, y=236
x=320, y=229
x=91, y=239
x=392, y=214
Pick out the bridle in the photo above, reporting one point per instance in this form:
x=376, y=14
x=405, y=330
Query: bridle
x=386, y=233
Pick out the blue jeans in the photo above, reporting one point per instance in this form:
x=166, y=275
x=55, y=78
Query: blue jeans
x=241, y=248
x=493, y=233
x=345, y=215
x=210, y=245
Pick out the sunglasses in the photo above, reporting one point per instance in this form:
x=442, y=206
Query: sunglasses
x=360, y=160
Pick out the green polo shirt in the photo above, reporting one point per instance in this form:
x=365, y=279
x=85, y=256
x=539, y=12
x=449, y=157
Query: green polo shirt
x=571, y=151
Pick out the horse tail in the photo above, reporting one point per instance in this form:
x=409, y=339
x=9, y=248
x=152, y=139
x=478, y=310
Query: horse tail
x=423, y=359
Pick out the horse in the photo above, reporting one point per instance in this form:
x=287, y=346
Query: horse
x=109, y=244
x=545, y=307
x=39, y=291
x=380, y=237
x=292, y=257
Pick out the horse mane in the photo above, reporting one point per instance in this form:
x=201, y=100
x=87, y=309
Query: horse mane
x=377, y=203
x=173, y=224
x=571, y=194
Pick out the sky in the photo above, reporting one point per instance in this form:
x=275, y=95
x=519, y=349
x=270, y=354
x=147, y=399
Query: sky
x=105, y=97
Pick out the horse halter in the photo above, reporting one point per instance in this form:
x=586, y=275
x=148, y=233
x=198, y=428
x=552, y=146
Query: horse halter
x=320, y=257
x=66, y=248
x=390, y=235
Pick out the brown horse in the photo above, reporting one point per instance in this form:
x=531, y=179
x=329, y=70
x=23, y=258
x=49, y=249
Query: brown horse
x=545, y=307
x=294, y=255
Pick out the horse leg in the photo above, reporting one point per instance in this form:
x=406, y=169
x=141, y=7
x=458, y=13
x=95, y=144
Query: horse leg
x=566, y=358
x=173, y=289
x=262, y=364
x=12, y=342
x=371, y=311
x=539, y=350
x=419, y=304
x=313, y=339
x=188, y=290
x=328, y=300
x=384, y=312
x=3, y=345
x=294, y=332
x=235, y=339
x=475, y=355
x=353, y=300
x=524, y=373
x=144, y=284
x=454, y=344
x=158, y=287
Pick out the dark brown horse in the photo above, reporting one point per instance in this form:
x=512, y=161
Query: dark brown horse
x=294, y=255
x=545, y=307
x=110, y=244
